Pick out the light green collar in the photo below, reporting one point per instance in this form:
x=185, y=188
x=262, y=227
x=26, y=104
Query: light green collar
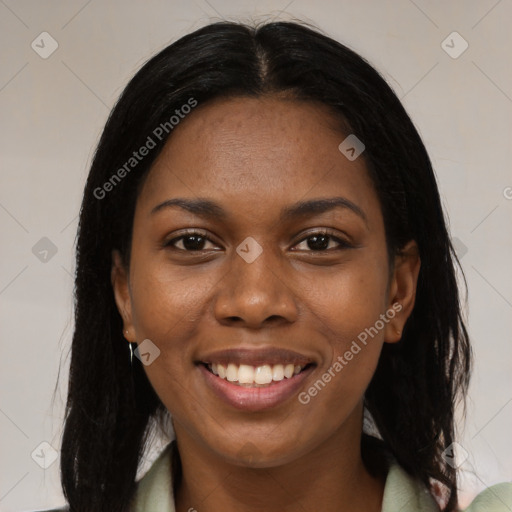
x=401, y=492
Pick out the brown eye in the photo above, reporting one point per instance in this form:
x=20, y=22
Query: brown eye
x=193, y=241
x=320, y=241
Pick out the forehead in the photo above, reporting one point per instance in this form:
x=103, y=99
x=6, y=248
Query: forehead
x=257, y=153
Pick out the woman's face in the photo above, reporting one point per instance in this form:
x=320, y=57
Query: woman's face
x=260, y=285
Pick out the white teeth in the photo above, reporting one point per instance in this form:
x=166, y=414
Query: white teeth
x=288, y=371
x=263, y=374
x=232, y=372
x=278, y=372
x=247, y=375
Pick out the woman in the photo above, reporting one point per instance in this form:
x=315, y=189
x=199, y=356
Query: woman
x=262, y=257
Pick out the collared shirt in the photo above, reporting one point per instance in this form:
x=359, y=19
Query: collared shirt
x=401, y=492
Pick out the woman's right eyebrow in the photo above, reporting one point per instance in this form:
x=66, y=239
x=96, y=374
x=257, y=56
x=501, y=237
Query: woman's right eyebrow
x=201, y=207
x=206, y=208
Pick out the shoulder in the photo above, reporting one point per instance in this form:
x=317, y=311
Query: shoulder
x=404, y=491
x=401, y=489
x=154, y=491
x=497, y=498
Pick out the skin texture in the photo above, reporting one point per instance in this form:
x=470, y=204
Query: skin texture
x=254, y=157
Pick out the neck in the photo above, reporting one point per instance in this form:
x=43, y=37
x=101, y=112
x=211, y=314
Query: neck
x=331, y=477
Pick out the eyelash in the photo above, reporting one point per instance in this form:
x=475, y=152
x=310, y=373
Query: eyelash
x=342, y=243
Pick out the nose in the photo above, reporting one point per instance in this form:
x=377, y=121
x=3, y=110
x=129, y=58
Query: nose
x=255, y=294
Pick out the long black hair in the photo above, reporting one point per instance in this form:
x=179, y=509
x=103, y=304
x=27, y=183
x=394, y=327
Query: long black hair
x=111, y=406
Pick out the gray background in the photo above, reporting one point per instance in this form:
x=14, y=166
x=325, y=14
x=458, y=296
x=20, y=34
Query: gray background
x=53, y=110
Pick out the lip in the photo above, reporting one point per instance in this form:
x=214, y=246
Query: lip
x=256, y=357
x=257, y=398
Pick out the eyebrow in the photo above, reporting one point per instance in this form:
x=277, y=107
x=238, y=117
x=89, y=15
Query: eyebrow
x=207, y=208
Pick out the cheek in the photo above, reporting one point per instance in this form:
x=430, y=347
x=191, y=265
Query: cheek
x=164, y=314
x=166, y=309
x=349, y=299
x=347, y=308
x=167, y=300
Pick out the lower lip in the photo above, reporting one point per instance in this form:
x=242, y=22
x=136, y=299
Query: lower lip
x=254, y=399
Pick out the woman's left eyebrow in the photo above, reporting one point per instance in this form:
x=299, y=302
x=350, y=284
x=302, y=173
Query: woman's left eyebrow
x=207, y=208
x=321, y=205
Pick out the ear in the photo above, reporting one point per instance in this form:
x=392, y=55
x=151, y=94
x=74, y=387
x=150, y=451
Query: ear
x=120, y=284
x=402, y=290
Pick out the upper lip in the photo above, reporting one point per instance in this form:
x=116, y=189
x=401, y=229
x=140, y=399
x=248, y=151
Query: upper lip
x=256, y=357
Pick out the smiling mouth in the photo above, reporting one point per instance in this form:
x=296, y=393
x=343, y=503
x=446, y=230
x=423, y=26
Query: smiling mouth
x=261, y=376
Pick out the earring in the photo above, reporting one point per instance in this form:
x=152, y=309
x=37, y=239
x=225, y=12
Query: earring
x=130, y=346
x=131, y=353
